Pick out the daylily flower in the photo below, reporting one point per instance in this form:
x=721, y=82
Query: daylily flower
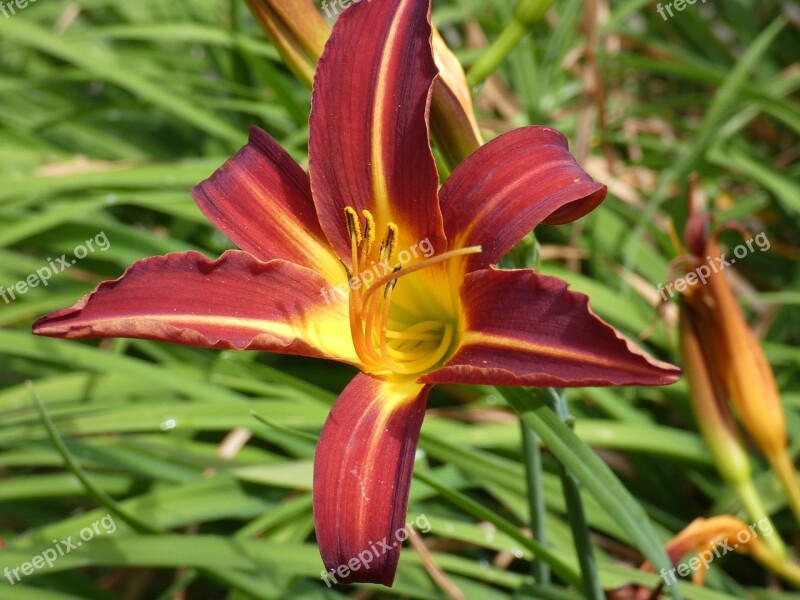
x=422, y=303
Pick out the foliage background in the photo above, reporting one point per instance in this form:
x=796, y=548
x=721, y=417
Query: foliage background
x=110, y=111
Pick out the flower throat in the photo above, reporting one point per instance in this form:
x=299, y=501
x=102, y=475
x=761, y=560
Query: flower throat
x=387, y=346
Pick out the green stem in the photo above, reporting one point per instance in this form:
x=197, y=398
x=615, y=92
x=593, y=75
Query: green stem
x=576, y=513
x=526, y=14
x=562, y=568
x=784, y=468
x=788, y=570
x=751, y=501
x=490, y=60
x=532, y=453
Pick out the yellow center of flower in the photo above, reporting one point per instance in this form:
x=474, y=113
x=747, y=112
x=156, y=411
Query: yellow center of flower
x=391, y=342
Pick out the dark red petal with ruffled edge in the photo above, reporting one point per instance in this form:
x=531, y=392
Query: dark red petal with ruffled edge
x=362, y=476
x=522, y=328
x=369, y=145
x=510, y=185
x=261, y=199
x=235, y=302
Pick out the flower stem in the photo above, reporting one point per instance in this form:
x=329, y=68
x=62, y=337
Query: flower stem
x=532, y=454
x=526, y=14
x=788, y=570
x=756, y=511
x=490, y=60
x=576, y=513
x=784, y=467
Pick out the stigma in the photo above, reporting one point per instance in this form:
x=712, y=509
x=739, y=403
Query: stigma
x=388, y=346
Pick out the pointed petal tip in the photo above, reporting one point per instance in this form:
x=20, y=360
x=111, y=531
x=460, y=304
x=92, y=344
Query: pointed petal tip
x=236, y=302
x=261, y=200
x=523, y=328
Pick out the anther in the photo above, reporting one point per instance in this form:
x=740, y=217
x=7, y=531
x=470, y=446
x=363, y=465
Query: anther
x=387, y=291
x=353, y=229
x=389, y=243
x=347, y=271
x=369, y=234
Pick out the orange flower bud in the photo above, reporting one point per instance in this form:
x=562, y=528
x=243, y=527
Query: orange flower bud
x=453, y=121
x=299, y=32
x=734, y=349
x=734, y=355
x=710, y=539
x=709, y=402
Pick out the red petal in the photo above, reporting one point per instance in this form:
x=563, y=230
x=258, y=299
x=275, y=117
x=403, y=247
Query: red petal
x=509, y=186
x=234, y=302
x=362, y=475
x=369, y=145
x=522, y=328
x=261, y=199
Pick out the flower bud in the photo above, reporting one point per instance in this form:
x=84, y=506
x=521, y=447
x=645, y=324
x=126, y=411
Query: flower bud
x=709, y=403
x=734, y=356
x=711, y=539
x=736, y=352
x=299, y=32
x=453, y=121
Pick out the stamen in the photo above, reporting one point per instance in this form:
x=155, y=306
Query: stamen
x=347, y=271
x=353, y=230
x=383, y=344
x=389, y=243
x=402, y=335
x=370, y=320
x=369, y=236
x=363, y=347
x=419, y=266
x=410, y=368
x=387, y=301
